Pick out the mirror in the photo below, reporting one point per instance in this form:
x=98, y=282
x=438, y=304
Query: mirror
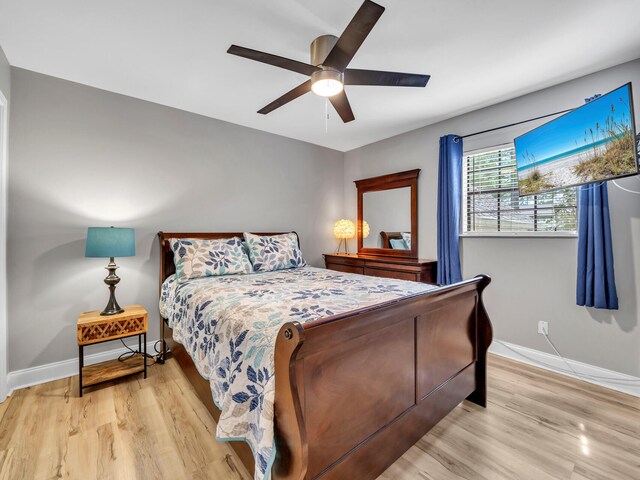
x=387, y=215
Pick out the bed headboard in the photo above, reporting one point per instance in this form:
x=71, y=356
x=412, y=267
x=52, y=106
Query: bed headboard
x=387, y=236
x=167, y=267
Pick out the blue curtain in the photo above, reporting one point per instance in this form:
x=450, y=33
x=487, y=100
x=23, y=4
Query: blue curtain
x=449, y=198
x=596, y=286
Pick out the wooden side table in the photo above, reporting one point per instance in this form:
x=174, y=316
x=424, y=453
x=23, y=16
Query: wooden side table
x=95, y=328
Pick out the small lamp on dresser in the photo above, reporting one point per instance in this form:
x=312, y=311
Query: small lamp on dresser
x=344, y=230
x=364, y=229
x=110, y=242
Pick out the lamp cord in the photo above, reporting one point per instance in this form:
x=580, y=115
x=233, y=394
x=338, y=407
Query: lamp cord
x=583, y=377
x=131, y=353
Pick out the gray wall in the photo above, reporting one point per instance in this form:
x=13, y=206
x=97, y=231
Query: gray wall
x=533, y=278
x=85, y=157
x=5, y=75
x=5, y=88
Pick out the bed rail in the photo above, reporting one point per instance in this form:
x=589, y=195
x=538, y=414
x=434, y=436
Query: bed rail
x=354, y=391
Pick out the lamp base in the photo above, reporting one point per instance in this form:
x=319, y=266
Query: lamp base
x=112, y=308
x=346, y=248
x=112, y=280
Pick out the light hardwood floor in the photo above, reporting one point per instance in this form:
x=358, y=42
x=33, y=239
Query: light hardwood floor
x=538, y=425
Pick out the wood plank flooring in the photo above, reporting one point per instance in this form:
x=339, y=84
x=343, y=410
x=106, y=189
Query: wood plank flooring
x=538, y=426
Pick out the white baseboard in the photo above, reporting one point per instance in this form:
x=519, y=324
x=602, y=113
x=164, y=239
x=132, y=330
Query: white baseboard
x=65, y=368
x=620, y=382
x=607, y=378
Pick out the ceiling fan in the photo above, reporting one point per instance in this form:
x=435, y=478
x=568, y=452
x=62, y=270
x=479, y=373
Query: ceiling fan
x=328, y=70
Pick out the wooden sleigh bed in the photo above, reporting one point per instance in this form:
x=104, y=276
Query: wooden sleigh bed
x=419, y=357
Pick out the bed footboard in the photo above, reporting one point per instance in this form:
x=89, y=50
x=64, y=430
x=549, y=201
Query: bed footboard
x=355, y=391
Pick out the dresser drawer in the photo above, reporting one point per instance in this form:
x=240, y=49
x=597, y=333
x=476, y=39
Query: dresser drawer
x=378, y=272
x=345, y=268
x=414, y=270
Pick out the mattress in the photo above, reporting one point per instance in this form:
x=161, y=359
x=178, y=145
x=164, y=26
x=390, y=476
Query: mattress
x=229, y=325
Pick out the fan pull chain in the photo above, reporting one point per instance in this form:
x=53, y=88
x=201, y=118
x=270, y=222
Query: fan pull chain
x=326, y=115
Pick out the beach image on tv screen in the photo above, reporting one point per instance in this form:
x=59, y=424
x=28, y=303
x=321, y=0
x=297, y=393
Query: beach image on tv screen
x=593, y=143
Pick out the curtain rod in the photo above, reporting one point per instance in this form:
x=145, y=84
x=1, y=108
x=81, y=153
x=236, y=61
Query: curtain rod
x=457, y=139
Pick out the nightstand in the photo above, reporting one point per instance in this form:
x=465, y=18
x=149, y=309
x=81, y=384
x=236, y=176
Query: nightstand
x=94, y=328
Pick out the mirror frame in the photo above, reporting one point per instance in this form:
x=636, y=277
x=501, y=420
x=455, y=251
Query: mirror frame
x=390, y=182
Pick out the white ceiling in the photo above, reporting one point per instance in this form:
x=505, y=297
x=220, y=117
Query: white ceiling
x=173, y=53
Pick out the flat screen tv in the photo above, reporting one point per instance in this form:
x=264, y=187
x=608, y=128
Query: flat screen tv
x=593, y=143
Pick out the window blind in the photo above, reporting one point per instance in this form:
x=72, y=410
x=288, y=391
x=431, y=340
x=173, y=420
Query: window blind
x=491, y=203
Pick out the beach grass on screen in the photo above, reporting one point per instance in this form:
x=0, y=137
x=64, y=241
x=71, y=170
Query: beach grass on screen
x=593, y=143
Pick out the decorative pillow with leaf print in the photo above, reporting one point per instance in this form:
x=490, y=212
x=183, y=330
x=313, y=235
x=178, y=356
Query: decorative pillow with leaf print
x=277, y=252
x=406, y=236
x=196, y=257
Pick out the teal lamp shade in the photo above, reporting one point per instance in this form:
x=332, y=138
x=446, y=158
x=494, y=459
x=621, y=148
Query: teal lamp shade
x=107, y=242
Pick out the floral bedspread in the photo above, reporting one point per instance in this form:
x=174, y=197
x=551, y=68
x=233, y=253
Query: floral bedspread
x=229, y=324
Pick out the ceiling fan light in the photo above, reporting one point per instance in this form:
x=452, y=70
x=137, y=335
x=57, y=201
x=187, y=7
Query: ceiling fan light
x=327, y=87
x=326, y=83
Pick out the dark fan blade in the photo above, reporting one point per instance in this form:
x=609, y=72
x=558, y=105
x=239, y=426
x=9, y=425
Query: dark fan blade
x=341, y=103
x=274, y=60
x=287, y=97
x=389, y=79
x=353, y=36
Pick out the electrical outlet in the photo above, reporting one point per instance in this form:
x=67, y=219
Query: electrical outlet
x=543, y=328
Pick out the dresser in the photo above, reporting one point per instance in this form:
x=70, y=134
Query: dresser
x=417, y=270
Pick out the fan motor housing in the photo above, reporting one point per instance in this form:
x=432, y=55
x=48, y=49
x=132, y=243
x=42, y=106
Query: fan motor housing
x=327, y=74
x=321, y=47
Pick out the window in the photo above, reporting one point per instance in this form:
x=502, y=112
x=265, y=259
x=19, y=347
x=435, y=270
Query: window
x=490, y=202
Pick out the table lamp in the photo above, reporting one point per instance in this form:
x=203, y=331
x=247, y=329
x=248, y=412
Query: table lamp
x=344, y=230
x=110, y=242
